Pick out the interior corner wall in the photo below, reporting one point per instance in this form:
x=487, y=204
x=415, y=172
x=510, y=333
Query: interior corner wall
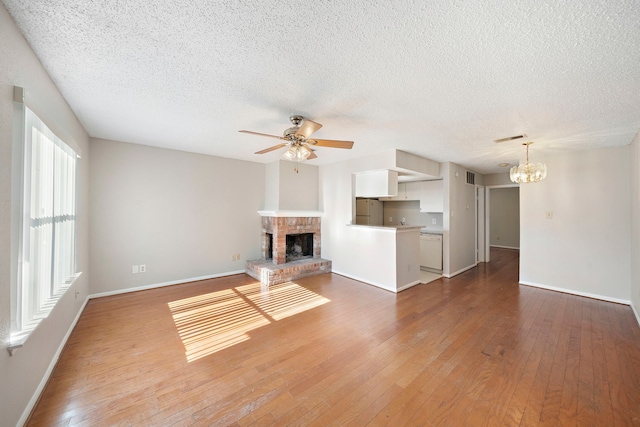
x=585, y=248
x=635, y=225
x=181, y=214
x=459, y=231
x=25, y=373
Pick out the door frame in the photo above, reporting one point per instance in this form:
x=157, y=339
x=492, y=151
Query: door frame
x=487, y=217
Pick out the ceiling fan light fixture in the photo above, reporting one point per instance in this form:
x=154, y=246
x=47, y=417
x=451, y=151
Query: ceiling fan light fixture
x=297, y=153
x=529, y=172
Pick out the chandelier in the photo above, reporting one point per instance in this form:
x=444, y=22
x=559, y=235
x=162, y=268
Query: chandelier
x=529, y=172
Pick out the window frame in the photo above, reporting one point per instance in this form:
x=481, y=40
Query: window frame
x=41, y=150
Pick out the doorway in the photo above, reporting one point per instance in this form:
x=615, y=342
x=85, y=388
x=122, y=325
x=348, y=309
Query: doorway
x=499, y=221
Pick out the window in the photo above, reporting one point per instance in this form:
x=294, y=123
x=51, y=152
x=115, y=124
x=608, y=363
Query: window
x=47, y=249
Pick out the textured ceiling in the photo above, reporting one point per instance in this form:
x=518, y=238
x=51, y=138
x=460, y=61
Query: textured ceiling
x=437, y=79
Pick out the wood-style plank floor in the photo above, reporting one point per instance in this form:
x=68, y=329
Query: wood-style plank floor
x=474, y=350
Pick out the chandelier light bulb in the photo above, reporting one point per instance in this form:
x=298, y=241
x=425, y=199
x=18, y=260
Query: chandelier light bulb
x=529, y=172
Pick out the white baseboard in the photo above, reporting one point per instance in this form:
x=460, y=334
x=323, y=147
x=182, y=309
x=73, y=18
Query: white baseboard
x=448, y=276
x=378, y=285
x=160, y=285
x=636, y=313
x=54, y=360
x=409, y=285
x=582, y=294
x=368, y=282
x=52, y=364
x=505, y=247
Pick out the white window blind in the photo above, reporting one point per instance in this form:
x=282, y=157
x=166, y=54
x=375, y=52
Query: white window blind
x=47, y=254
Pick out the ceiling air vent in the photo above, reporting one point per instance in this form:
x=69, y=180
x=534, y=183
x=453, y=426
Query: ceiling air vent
x=471, y=178
x=510, y=138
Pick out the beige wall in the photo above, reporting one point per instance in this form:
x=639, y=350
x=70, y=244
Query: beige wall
x=586, y=247
x=22, y=375
x=286, y=189
x=181, y=214
x=504, y=218
x=459, y=220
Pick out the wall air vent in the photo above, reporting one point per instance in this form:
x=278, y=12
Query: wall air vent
x=471, y=178
x=510, y=138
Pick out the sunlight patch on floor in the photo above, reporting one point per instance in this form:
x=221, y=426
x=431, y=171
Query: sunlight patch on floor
x=214, y=321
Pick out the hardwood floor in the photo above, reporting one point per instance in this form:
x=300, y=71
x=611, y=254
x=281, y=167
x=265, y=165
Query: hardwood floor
x=474, y=350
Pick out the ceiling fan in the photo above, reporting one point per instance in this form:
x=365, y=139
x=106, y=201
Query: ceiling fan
x=298, y=141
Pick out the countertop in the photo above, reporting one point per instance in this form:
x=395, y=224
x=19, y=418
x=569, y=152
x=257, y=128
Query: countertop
x=389, y=227
x=430, y=231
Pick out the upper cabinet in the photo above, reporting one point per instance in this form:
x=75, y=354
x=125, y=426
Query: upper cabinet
x=378, y=183
x=432, y=196
x=401, y=194
x=429, y=193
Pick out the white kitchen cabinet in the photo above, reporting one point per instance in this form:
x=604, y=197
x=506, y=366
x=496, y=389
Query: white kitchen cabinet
x=432, y=196
x=401, y=194
x=413, y=190
x=376, y=183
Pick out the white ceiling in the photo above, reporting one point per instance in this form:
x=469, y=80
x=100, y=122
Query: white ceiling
x=437, y=79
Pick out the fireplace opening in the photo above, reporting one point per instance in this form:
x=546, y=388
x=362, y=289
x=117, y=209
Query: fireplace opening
x=268, y=250
x=299, y=246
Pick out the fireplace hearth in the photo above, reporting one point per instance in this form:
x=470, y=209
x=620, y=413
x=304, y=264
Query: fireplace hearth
x=290, y=249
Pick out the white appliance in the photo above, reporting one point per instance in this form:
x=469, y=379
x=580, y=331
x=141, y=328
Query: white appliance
x=431, y=251
x=369, y=212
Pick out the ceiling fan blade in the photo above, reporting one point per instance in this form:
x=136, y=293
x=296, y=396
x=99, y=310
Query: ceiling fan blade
x=312, y=155
x=307, y=128
x=266, y=150
x=331, y=143
x=261, y=134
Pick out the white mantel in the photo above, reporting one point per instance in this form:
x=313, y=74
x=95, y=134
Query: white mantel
x=291, y=213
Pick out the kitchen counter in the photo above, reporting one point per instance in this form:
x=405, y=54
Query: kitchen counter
x=430, y=231
x=384, y=256
x=389, y=227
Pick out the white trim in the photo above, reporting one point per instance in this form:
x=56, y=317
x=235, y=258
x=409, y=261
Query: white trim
x=636, y=313
x=505, y=247
x=159, y=285
x=52, y=365
x=409, y=285
x=297, y=214
x=582, y=294
x=462, y=270
x=377, y=285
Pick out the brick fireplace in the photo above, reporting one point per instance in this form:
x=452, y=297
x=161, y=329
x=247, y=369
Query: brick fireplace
x=291, y=247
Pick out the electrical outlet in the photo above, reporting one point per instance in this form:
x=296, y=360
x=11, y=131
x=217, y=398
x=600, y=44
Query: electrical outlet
x=433, y=221
x=237, y=257
x=390, y=219
x=77, y=293
x=143, y=268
